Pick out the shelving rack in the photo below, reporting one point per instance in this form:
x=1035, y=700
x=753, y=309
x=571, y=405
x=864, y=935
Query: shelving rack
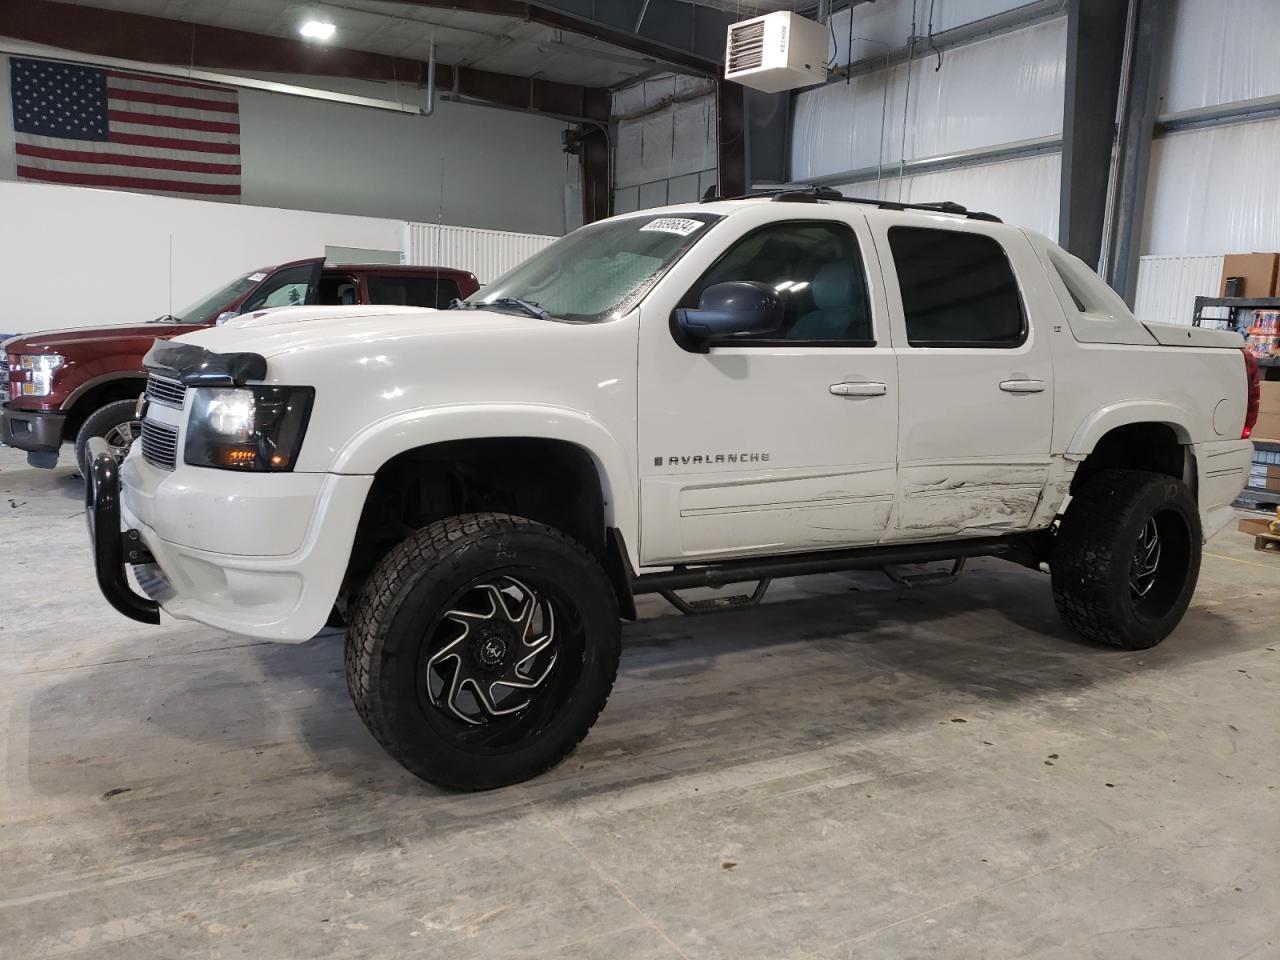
x=1265, y=449
x=1260, y=498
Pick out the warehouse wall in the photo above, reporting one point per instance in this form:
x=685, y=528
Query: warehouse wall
x=1212, y=190
x=665, y=146
x=1216, y=53
x=501, y=170
x=79, y=257
x=1005, y=88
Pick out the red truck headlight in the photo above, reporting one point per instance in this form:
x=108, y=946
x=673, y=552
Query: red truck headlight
x=35, y=374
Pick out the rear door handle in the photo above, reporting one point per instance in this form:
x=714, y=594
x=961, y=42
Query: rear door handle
x=1022, y=386
x=862, y=388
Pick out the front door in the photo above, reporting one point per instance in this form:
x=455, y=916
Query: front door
x=292, y=285
x=775, y=445
x=976, y=378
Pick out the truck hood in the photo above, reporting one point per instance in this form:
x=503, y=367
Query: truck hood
x=298, y=329
x=67, y=341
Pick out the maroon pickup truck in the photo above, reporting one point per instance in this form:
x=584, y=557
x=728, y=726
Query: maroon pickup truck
x=84, y=382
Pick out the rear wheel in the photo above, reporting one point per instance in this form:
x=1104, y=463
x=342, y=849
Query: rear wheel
x=117, y=423
x=1126, y=558
x=482, y=649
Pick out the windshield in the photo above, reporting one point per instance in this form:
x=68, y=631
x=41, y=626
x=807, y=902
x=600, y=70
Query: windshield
x=207, y=308
x=597, y=272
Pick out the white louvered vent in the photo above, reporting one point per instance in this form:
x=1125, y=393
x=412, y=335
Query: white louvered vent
x=776, y=52
x=746, y=46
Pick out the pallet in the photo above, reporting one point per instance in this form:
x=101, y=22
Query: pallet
x=1260, y=530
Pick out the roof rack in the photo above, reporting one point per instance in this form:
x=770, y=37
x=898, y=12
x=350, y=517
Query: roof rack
x=814, y=194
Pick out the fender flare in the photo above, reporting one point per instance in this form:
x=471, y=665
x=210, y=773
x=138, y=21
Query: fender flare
x=384, y=439
x=1106, y=418
x=79, y=392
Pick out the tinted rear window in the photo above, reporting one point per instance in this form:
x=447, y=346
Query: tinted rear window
x=958, y=289
x=406, y=291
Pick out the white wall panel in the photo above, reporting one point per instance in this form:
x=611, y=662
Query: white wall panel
x=486, y=253
x=993, y=91
x=1219, y=51
x=1022, y=192
x=1168, y=286
x=78, y=257
x=1215, y=189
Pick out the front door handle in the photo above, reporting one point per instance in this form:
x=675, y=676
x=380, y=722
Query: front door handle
x=1022, y=386
x=863, y=388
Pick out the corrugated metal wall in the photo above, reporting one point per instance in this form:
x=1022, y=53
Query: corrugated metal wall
x=1168, y=286
x=665, y=150
x=486, y=253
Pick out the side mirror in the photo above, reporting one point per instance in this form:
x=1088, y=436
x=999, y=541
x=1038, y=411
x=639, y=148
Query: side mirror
x=726, y=311
x=224, y=316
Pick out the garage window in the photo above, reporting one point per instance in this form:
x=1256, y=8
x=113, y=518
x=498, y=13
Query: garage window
x=958, y=289
x=404, y=291
x=815, y=267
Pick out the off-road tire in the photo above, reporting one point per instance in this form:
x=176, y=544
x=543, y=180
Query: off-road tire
x=100, y=423
x=1095, y=546
x=391, y=627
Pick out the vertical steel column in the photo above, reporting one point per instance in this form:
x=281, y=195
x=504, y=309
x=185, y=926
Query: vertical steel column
x=1133, y=147
x=731, y=141
x=767, y=128
x=594, y=160
x=1095, y=58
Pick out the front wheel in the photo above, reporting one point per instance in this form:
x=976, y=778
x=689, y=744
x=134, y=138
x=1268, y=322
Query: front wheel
x=117, y=423
x=1126, y=558
x=482, y=649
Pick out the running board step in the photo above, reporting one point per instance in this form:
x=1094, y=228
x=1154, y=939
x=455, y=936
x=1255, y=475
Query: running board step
x=933, y=577
x=692, y=608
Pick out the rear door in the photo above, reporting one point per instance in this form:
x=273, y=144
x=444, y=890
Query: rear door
x=976, y=377
x=412, y=289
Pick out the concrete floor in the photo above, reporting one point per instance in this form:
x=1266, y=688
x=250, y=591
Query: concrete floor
x=851, y=770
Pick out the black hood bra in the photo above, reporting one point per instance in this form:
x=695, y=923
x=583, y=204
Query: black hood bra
x=197, y=367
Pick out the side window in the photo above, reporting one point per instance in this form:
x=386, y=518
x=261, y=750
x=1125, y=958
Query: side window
x=816, y=267
x=338, y=290
x=958, y=289
x=284, y=288
x=409, y=291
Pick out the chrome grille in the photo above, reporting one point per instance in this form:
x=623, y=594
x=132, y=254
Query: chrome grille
x=746, y=47
x=160, y=444
x=163, y=390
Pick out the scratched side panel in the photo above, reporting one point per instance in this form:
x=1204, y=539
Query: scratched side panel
x=968, y=498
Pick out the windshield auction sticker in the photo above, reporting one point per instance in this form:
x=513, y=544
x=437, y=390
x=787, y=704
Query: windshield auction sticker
x=680, y=226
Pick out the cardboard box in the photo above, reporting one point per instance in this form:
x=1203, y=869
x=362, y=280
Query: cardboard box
x=1267, y=428
x=1257, y=269
x=1268, y=425
x=1269, y=397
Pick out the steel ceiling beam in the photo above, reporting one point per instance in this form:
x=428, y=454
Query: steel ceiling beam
x=677, y=33
x=134, y=36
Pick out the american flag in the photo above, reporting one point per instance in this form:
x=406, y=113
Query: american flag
x=96, y=127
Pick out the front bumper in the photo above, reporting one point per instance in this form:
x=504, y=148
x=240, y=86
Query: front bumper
x=111, y=547
x=280, y=544
x=35, y=431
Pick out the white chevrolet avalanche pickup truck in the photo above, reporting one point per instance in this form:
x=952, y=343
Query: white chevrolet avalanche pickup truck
x=696, y=396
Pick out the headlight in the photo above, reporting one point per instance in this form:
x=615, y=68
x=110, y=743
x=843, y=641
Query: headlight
x=39, y=367
x=250, y=428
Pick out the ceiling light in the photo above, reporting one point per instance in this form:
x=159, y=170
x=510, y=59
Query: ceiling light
x=317, y=30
